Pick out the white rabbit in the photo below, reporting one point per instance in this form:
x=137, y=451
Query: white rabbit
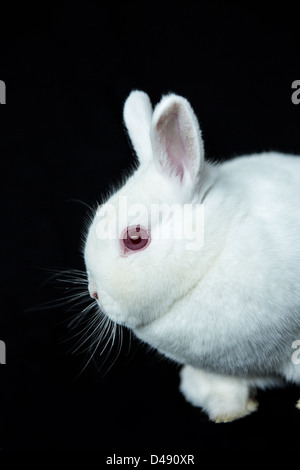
x=229, y=310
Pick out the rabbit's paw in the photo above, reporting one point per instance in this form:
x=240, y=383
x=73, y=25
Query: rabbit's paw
x=223, y=398
x=251, y=405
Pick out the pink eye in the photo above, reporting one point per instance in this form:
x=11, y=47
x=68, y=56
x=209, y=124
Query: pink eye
x=135, y=238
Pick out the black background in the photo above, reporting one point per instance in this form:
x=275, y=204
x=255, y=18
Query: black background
x=68, y=70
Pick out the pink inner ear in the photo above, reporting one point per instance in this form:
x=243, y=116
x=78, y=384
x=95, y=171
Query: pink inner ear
x=176, y=140
x=175, y=145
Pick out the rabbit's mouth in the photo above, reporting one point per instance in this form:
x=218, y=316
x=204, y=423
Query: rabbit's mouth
x=129, y=322
x=116, y=312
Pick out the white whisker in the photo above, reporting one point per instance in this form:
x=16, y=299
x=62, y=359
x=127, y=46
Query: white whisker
x=93, y=331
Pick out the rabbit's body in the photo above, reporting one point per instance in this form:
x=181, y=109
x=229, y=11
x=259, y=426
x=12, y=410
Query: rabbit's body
x=229, y=310
x=242, y=314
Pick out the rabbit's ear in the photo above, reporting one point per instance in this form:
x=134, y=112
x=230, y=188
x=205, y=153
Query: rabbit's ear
x=176, y=139
x=137, y=114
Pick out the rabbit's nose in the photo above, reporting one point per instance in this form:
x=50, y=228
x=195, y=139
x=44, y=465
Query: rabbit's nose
x=94, y=295
x=93, y=290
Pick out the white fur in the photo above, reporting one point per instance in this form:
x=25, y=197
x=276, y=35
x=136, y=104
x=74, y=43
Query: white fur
x=137, y=115
x=230, y=311
x=223, y=398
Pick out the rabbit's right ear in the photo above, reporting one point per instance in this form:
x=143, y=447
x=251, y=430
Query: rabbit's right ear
x=176, y=140
x=137, y=114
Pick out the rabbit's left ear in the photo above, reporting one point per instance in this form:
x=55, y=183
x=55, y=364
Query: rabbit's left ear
x=137, y=114
x=176, y=139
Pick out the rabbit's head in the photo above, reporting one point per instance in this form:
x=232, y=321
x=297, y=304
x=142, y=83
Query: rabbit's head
x=139, y=251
